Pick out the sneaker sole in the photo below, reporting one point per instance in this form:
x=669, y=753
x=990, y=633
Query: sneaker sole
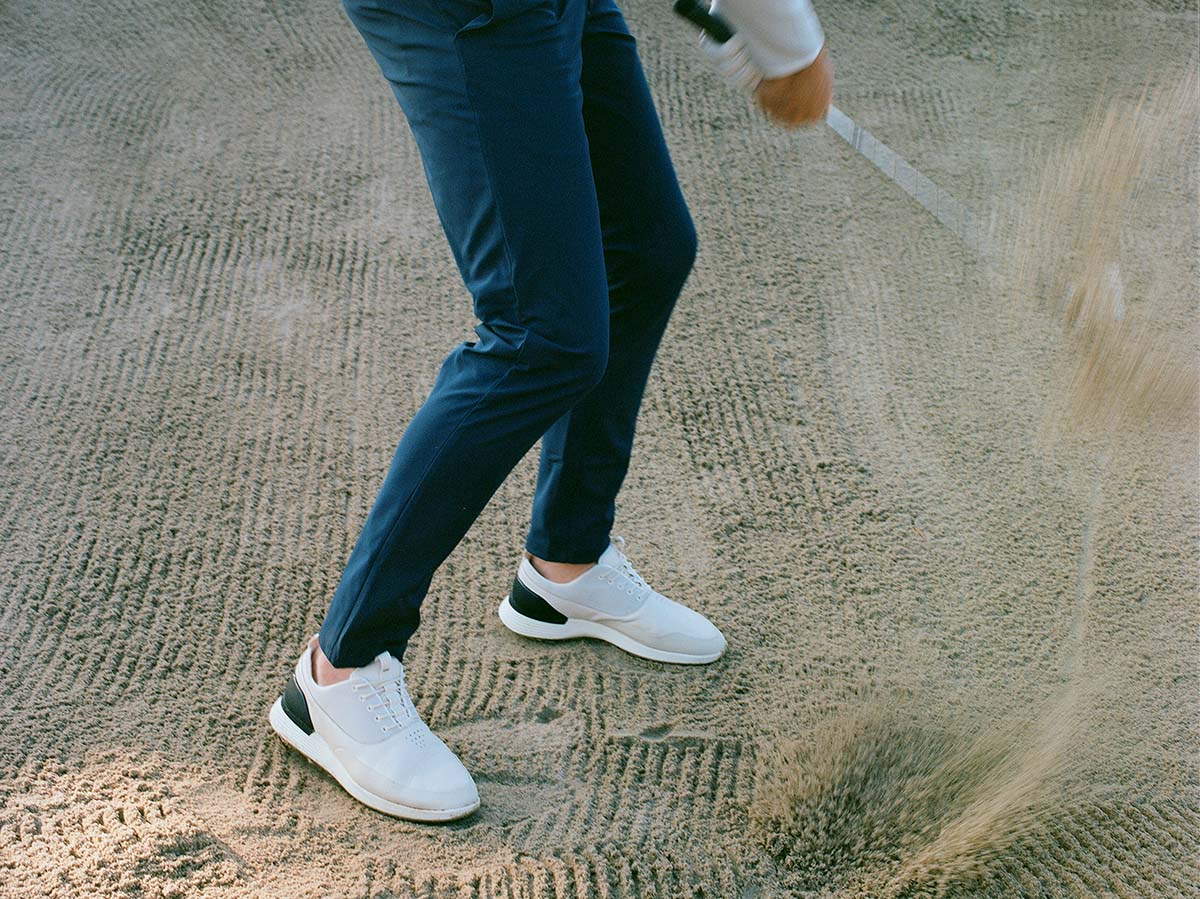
x=577, y=627
x=316, y=750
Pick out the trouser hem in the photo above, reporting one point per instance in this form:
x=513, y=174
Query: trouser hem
x=575, y=552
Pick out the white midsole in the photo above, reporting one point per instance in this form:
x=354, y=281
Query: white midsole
x=578, y=627
x=319, y=752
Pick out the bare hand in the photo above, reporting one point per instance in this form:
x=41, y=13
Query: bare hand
x=801, y=98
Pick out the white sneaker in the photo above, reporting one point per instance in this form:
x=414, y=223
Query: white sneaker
x=366, y=732
x=610, y=601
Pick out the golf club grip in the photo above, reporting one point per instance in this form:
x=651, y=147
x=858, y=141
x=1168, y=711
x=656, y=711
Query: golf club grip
x=718, y=29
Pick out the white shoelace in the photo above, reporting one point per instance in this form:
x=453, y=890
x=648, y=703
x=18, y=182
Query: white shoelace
x=394, y=701
x=627, y=569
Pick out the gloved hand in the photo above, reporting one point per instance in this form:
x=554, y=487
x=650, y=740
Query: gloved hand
x=733, y=61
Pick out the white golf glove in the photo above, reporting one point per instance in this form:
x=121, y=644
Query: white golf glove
x=733, y=61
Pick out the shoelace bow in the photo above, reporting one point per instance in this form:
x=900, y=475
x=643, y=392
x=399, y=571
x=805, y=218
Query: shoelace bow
x=391, y=693
x=627, y=568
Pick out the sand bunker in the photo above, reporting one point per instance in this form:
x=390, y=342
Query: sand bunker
x=962, y=657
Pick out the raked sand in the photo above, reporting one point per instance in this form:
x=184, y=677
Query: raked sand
x=963, y=653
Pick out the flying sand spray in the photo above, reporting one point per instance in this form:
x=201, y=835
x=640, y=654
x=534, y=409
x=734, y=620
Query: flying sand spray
x=887, y=800
x=914, y=809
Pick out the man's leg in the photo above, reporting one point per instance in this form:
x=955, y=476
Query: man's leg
x=649, y=246
x=492, y=93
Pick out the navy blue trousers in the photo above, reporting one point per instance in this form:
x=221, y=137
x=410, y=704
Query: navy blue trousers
x=552, y=182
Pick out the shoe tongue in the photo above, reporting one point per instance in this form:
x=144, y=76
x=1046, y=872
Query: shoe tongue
x=383, y=666
x=611, y=556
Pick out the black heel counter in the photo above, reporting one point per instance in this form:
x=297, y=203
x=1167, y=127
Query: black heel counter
x=295, y=706
x=529, y=604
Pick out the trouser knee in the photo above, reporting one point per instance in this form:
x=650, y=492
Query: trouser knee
x=658, y=270
x=569, y=368
x=679, y=256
